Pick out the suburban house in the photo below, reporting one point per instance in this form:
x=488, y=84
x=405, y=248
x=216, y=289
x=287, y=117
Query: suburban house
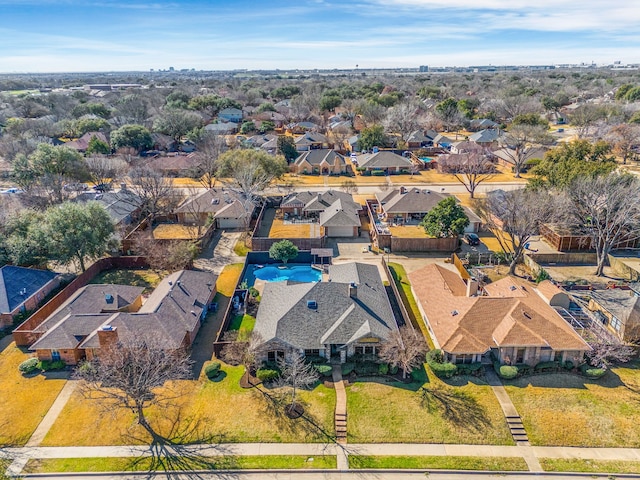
x=176, y=165
x=353, y=143
x=384, y=161
x=324, y=162
x=461, y=162
x=478, y=124
x=97, y=315
x=467, y=147
x=506, y=155
x=312, y=141
x=230, y=115
x=82, y=143
x=22, y=290
x=509, y=319
x=442, y=141
x=259, y=140
x=337, y=213
x=229, y=208
x=123, y=207
x=349, y=314
x=223, y=128
x=420, y=139
x=486, y=138
x=276, y=118
x=409, y=206
x=619, y=311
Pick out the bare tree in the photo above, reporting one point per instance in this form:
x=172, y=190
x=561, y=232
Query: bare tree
x=370, y=113
x=296, y=374
x=156, y=192
x=103, y=169
x=165, y=256
x=520, y=141
x=404, y=348
x=128, y=375
x=247, y=353
x=608, y=207
x=349, y=186
x=624, y=138
x=604, y=355
x=403, y=119
x=473, y=169
x=514, y=217
x=209, y=149
x=587, y=119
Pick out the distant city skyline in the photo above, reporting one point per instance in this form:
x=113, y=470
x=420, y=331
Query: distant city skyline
x=114, y=35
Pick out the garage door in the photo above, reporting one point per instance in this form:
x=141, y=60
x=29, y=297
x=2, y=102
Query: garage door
x=340, y=232
x=471, y=228
x=229, y=223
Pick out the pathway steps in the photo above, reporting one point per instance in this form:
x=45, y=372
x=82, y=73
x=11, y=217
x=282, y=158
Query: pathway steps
x=340, y=417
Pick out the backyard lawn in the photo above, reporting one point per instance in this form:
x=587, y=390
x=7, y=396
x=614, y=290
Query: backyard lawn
x=465, y=412
x=243, y=324
x=291, y=230
x=562, y=409
x=175, y=231
x=24, y=401
x=409, y=231
x=228, y=279
x=219, y=411
x=138, y=278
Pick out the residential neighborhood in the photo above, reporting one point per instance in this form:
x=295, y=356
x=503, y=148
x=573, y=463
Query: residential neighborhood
x=336, y=273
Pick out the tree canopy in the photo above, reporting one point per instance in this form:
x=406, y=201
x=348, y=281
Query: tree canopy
x=446, y=219
x=133, y=136
x=373, y=136
x=283, y=250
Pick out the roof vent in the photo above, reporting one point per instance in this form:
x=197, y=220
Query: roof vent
x=312, y=304
x=215, y=201
x=512, y=288
x=454, y=313
x=108, y=298
x=526, y=315
x=107, y=328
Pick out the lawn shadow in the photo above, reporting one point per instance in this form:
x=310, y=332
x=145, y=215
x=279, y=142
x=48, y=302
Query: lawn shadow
x=566, y=380
x=456, y=406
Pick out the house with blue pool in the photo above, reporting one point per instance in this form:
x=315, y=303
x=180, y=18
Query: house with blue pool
x=348, y=314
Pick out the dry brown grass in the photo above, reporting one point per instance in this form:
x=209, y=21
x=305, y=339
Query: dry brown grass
x=563, y=409
x=24, y=401
x=296, y=230
x=228, y=279
x=175, y=231
x=409, y=231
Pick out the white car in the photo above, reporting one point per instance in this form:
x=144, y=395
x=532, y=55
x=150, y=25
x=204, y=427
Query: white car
x=12, y=190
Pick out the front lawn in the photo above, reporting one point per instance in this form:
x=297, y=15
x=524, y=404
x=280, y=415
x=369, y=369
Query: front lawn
x=24, y=401
x=219, y=411
x=504, y=464
x=467, y=412
x=563, y=409
x=229, y=462
x=589, y=466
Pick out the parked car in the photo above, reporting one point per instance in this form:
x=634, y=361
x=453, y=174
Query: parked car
x=472, y=239
x=12, y=190
x=102, y=187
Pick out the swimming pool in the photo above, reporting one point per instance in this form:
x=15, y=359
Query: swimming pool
x=280, y=273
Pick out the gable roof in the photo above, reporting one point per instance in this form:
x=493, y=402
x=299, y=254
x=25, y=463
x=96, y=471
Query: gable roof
x=413, y=200
x=340, y=214
x=383, y=159
x=118, y=205
x=82, y=143
x=622, y=304
x=221, y=202
x=316, y=157
x=338, y=319
x=485, y=136
x=511, y=314
x=17, y=284
x=310, y=138
x=507, y=154
x=318, y=201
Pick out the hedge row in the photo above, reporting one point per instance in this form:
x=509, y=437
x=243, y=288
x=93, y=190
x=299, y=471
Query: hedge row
x=442, y=369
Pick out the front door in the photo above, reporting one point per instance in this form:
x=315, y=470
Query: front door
x=55, y=355
x=335, y=350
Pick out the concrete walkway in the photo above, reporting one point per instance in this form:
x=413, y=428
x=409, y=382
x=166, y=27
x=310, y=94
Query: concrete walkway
x=52, y=415
x=340, y=417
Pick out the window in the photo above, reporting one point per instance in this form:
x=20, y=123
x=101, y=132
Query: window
x=274, y=355
x=314, y=352
x=359, y=350
x=520, y=355
x=464, y=358
x=55, y=355
x=615, y=323
x=369, y=350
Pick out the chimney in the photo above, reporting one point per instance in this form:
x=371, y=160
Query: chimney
x=403, y=190
x=353, y=290
x=107, y=336
x=123, y=187
x=472, y=287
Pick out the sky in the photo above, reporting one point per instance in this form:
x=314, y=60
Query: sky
x=123, y=35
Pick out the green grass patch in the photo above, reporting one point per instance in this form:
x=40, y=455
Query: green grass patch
x=570, y=410
x=123, y=464
x=134, y=277
x=404, y=287
x=240, y=248
x=244, y=324
x=435, y=462
x=589, y=466
x=465, y=410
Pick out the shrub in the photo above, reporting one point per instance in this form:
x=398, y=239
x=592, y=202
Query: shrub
x=568, y=365
x=347, y=368
x=267, y=374
x=546, y=366
x=46, y=365
x=212, y=370
x=383, y=369
x=377, y=173
x=508, y=371
x=470, y=368
x=366, y=368
x=592, y=372
x=315, y=359
x=393, y=369
x=523, y=369
x=254, y=292
x=324, y=370
x=28, y=366
x=442, y=369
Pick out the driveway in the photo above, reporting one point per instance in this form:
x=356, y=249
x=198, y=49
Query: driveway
x=219, y=252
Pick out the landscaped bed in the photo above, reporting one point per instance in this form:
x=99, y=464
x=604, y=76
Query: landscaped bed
x=437, y=462
x=567, y=409
x=229, y=462
x=380, y=412
x=24, y=400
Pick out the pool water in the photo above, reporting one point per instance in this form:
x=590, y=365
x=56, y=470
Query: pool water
x=275, y=273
